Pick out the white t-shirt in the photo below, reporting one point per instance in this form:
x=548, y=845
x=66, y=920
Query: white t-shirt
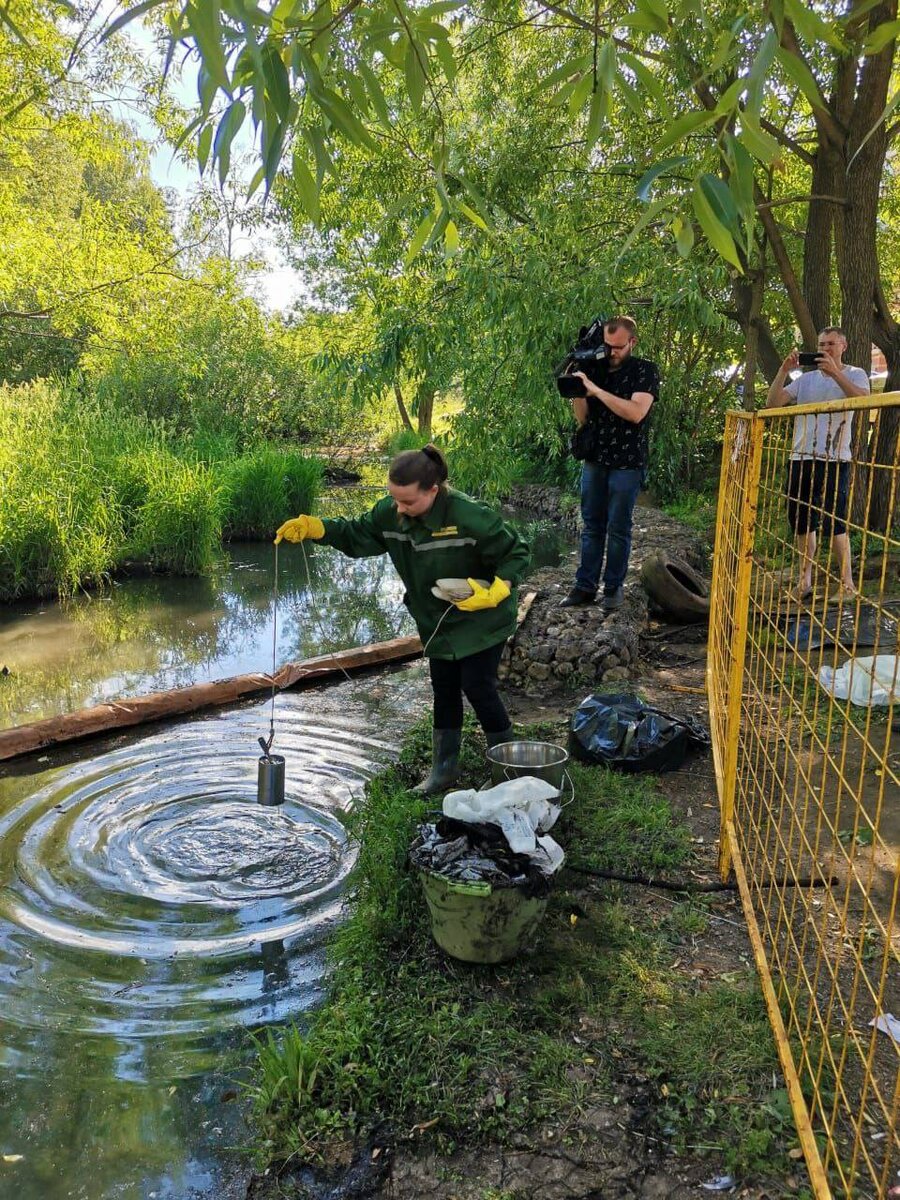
x=823, y=435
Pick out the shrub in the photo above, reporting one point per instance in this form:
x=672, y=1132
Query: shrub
x=84, y=488
x=262, y=489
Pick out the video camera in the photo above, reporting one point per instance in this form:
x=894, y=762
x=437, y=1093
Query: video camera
x=589, y=348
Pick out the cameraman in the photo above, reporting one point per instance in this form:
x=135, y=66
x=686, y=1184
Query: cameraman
x=616, y=404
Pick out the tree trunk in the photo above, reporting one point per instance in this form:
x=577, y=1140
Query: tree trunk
x=766, y=351
x=789, y=278
x=401, y=408
x=425, y=410
x=752, y=340
x=818, y=240
x=882, y=511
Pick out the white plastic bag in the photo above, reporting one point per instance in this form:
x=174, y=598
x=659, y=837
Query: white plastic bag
x=521, y=807
x=868, y=681
x=549, y=855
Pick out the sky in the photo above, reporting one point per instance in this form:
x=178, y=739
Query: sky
x=278, y=284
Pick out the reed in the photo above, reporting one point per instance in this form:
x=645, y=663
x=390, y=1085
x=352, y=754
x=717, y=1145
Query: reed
x=86, y=489
x=262, y=489
x=176, y=526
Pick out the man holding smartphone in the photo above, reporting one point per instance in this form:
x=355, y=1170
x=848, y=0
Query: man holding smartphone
x=818, y=483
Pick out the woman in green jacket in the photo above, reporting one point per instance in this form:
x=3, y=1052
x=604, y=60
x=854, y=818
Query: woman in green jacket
x=432, y=532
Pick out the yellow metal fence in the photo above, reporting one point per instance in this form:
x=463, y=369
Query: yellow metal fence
x=809, y=777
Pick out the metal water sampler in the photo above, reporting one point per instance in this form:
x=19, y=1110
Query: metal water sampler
x=270, y=780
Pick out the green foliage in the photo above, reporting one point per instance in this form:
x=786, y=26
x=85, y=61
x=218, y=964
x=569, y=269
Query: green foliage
x=404, y=439
x=86, y=490
x=85, y=238
x=262, y=489
x=490, y=324
x=95, y=276
x=540, y=142
x=205, y=357
x=713, y=123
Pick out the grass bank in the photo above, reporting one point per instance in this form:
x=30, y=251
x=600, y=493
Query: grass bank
x=477, y=1054
x=87, y=490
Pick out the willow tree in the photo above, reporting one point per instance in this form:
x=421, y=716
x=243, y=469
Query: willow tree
x=767, y=128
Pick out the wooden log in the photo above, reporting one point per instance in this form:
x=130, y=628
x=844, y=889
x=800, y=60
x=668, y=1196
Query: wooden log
x=157, y=706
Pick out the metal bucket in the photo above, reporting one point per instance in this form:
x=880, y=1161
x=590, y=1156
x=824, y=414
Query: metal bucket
x=270, y=780
x=510, y=760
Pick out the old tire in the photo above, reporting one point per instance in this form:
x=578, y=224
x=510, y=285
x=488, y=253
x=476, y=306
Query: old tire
x=676, y=588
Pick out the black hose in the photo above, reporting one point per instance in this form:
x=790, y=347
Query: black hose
x=675, y=885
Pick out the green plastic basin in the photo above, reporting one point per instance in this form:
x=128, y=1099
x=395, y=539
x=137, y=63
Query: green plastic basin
x=478, y=923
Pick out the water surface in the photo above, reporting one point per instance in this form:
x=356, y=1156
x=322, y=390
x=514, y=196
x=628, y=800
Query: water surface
x=149, y=634
x=150, y=912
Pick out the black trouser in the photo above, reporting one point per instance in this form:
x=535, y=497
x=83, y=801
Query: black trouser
x=476, y=677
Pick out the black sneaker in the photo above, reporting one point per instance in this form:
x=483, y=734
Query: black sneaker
x=577, y=597
x=614, y=599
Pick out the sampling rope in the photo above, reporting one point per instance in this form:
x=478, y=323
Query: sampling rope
x=448, y=609
x=266, y=743
x=274, y=649
x=314, y=616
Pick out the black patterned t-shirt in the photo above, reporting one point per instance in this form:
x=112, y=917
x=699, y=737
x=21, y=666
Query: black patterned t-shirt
x=622, y=444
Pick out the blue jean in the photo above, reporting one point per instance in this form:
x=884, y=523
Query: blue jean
x=608, y=497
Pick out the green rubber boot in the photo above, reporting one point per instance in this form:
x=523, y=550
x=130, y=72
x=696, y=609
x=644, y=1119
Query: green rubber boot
x=445, y=746
x=496, y=739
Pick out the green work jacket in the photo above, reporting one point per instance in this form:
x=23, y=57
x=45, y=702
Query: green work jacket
x=457, y=538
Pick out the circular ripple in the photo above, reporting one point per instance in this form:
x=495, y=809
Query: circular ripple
x=121, y=854
x=145, y=891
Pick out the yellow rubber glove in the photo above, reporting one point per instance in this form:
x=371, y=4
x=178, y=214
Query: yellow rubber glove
x=298, y=529
x=482, y=597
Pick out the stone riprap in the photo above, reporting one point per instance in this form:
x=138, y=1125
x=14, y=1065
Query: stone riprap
x=550, y=503
x=556, y=646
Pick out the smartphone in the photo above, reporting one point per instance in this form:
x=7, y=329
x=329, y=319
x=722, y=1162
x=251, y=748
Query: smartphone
x=809, y=358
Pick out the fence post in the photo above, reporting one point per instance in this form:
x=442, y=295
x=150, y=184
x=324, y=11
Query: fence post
x=738, y=648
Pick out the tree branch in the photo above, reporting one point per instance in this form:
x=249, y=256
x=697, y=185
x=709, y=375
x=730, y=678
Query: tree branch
x=335, y=20
x=803, y=200
x=788, y=142
x=808, y=329
x=589, y=27
x=826, y=122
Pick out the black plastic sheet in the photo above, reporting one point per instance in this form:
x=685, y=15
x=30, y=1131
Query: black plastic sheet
x=619, y=730
x=842, y=625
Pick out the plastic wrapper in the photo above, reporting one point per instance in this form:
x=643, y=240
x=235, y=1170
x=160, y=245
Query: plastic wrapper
x=868, y=681
x=522, y=808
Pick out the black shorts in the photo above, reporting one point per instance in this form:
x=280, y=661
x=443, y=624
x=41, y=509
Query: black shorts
x=818, y=490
